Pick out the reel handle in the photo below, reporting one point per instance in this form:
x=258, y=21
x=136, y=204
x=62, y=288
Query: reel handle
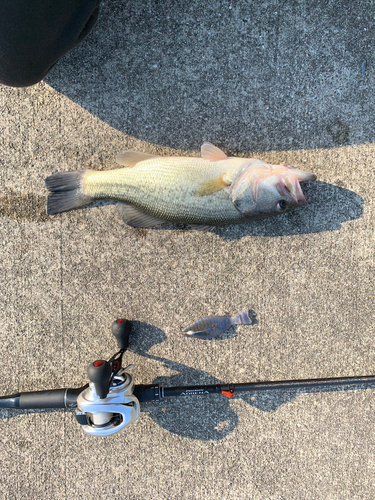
x=99, y=373
x=121, y=329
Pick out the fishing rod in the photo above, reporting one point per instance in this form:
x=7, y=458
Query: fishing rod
x=110, y=402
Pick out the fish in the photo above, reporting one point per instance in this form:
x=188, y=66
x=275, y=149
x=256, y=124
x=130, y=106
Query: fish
x=204, y=192
x=213, y=326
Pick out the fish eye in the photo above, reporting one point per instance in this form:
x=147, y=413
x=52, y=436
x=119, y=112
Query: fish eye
x=282, y=204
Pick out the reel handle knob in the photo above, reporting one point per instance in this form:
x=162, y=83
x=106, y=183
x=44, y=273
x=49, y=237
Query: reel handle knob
x=121, y=329
x=99, y=373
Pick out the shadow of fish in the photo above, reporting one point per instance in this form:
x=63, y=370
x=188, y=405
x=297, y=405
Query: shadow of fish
x=201, y=192
x=213, y=326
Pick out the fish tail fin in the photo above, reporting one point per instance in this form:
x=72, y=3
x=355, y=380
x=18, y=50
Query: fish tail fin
x=65, y=192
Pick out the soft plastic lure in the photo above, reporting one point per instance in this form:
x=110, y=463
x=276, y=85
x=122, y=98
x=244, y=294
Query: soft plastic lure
x=213, y=326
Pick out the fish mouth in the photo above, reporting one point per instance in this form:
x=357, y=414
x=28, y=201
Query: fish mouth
x=290, y=187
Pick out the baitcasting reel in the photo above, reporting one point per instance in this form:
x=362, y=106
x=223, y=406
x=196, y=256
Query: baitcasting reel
x=104, y=406
x=108, y=404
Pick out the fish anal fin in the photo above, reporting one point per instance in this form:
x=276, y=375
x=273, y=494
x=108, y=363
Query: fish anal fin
x=131, y=158
x=212, y=186
x=136, y=218
x=212, y=153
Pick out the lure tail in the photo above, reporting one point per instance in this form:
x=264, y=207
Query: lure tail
x=65, y=192
x=244, y=317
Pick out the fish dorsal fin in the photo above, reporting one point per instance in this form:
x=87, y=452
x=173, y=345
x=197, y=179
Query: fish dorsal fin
x=130, y=158
x=212, y=186
x=136, y=218
x=212, y=153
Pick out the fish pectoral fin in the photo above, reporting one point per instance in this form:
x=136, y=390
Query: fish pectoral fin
x=212, y=186
x=212, y=153
x=136, y=218
x=131, y=158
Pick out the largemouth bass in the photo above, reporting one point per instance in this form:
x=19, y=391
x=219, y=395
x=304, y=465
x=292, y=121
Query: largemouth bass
x=202, y=192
